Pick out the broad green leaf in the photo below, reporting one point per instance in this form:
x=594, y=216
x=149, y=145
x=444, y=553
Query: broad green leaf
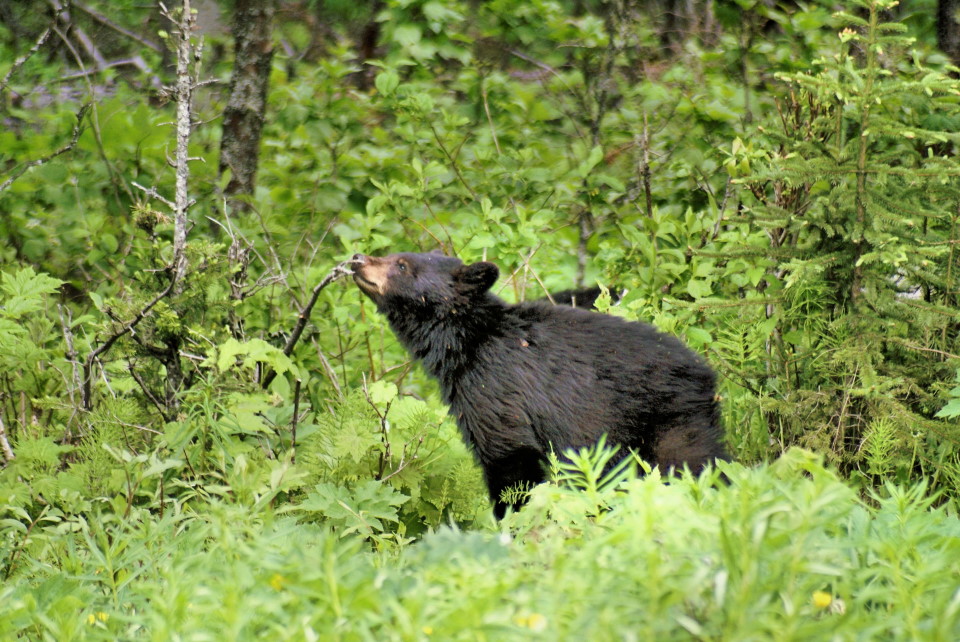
x=387, y=82
x=382, y=392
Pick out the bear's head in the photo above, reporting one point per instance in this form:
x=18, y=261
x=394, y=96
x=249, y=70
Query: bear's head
x=425, y=283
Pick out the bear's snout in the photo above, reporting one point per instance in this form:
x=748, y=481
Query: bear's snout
x=370, y=273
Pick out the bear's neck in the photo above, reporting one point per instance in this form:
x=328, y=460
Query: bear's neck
x=446, y=341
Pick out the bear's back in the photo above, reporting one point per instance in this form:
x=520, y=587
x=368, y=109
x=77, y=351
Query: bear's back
x=554, y=376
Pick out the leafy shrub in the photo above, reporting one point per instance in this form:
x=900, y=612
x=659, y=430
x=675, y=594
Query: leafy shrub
x=781, y=196
x=785, y=551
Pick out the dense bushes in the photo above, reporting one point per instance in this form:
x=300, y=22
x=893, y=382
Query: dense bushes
x=786, y=551
x=777, y=186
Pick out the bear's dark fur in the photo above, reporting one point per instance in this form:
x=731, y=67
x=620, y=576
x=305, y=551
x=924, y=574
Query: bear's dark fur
x=583, y=298
x=524, y=379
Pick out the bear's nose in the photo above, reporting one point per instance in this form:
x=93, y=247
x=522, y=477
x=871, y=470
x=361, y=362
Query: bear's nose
x=359, y=258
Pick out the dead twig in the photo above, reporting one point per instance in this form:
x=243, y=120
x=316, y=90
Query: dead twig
x=644, y=167
x=385, y=455
x=147, y=392
x=135, y=61
x=94, y=117
x=331, y=374
x=34, y=49
x=153, y=193
x=404, y=462
x=338, y=272
x=453, y=160
x=74, y=359
x=97, y=17
x=106, y=345
x=4, y=444
x=296, y=418
x=77, y=130
x=85, y=41
x=486, y=109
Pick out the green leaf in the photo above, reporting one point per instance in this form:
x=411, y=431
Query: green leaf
x=387, y=82
x=699, y=288
x=363, y=509
x=754, y=275
x=253, y=351
x=596, y=155
x=25, y=290
x=698, y=336
x=353, y=440
x=951, y=410
x=382, y=392
x=407, y=34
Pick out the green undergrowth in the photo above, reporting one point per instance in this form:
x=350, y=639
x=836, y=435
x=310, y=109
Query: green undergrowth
x=785, y=551
x=778, y=187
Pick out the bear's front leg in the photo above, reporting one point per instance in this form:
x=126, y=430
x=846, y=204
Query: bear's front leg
x=521, y=469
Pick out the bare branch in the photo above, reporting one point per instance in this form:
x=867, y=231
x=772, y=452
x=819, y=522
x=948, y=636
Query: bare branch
x=106, y=345
x=296, y=418
x=4, y=444
x=77, y=130
x=73, y=358
x=34, y=49
x=404, y=462
x=152, y=192
x=643, y=166
x=486, y=109
x=330, y=372
x=134, y=61
x=453, y=160
x=338, y=272
x=85, y=41
x=147, y=392
x=121, y=30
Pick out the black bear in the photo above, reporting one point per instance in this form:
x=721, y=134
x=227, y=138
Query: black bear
x=582, y=298
x=523, y=379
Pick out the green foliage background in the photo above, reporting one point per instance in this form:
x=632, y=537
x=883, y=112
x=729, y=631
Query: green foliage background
x=777, y=187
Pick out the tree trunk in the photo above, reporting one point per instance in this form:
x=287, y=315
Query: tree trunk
x=948, y=29
x=242, y=125
x=244, y=114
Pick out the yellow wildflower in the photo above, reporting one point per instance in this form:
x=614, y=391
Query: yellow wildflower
x=535, y=622
x=428, y=630
x=277, y=581
x=822, y=599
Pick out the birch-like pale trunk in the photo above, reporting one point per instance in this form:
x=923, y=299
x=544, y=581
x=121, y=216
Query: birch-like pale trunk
x=184, y=97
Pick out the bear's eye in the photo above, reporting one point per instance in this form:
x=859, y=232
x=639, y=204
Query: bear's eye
x=402, y=266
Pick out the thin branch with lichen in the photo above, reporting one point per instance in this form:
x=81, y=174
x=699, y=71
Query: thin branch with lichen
x=77, y=130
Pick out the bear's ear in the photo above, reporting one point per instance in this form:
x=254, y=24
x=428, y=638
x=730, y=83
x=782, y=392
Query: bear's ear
x=476, y=278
